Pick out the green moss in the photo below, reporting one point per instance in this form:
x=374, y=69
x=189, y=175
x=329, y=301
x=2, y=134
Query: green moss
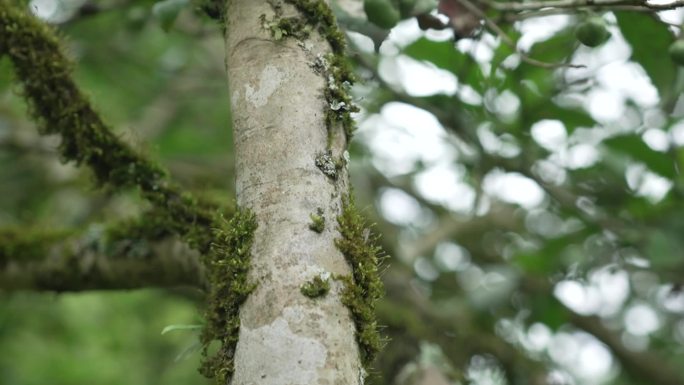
x=364, y=287
x=317, y=221
x=320, y=16
x=152, y=225
x=97, y=257
x=317, y=15
x=59, y=107
x=317, y=287
x=20, y=245
x=291, y=26
x=228, y=263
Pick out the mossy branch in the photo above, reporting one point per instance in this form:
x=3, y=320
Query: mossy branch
x=59, y=107
x=126, y=255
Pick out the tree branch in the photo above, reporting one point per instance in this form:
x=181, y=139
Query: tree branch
x=117, y=257
x=574, y=4
x=508, y=41
x=59, y=107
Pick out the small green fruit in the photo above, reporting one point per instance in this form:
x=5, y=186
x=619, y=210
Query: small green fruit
x=592, y=32
x=677, y=52
x=381, y=13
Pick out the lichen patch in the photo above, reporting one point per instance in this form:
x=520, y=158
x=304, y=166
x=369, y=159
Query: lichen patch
x=234, y=99
x=269, y=82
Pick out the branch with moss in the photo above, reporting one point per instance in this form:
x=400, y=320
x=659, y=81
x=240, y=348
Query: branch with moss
x=129, y=255
x=60, y=108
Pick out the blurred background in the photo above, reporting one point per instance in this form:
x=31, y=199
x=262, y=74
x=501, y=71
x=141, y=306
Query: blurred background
x=534, y=216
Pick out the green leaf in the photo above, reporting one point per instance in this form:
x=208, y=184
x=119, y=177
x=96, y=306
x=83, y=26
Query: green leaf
x=444, y=55
x=503, y=51
x=170, y=328
x=572, y=118
x=554, y=255
x=549, y=311
x=166, y=11
x=545, y=260
x=555, y=49
x=663, y=249
x=650, y=40
x=634, y=147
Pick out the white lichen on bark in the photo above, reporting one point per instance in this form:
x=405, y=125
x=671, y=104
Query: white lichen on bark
x=279, y=126
x=269, y=81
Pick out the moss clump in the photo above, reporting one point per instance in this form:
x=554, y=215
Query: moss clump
x=227, y=263
x=317, y=287
x=317, y=221
x=152, y=225
x=364, y=287
x=290, y=26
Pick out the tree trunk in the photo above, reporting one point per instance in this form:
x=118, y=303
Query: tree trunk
x=280, y=131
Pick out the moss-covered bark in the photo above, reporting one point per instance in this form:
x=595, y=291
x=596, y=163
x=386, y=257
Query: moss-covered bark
x=364, y=287
x=227, y=263
x=289, y=82
x=126, y=255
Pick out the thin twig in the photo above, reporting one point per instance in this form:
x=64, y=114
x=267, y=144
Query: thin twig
x=511, y=17
x=506, y=39
x=538, y=5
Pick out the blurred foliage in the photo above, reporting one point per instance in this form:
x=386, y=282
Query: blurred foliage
x=96, y=338
x=528, y=228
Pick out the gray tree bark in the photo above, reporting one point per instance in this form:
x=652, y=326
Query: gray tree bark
x=279, y=126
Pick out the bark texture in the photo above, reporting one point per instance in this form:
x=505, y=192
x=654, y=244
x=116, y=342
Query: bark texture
x=277, y=98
